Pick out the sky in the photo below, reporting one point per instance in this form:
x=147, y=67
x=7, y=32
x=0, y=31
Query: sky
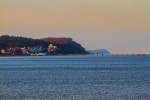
x=121, y=26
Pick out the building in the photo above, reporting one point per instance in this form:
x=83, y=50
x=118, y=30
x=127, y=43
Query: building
x=15, y=51
x=35, y=49
x=52, y=49
x=4, y=52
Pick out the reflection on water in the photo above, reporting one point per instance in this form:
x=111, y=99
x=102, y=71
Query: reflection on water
x=75, y=78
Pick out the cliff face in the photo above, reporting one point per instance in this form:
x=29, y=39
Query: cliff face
x=64, y=45
x=60, y=41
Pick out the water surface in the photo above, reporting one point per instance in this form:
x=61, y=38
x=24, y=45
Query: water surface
x=75, y=78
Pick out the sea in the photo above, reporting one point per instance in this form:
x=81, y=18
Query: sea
x=114, y=77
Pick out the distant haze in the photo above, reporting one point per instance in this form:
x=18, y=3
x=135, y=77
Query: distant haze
x=122, y=26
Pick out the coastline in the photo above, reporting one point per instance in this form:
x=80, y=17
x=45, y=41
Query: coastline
x=84, y=55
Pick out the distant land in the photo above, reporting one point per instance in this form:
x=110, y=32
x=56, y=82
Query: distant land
x=100, y=52
x=23, y=46
x=14, y=45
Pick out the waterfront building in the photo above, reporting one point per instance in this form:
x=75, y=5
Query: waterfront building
x=52, y=48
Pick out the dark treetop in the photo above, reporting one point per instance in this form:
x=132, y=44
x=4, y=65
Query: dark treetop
x=65, y=45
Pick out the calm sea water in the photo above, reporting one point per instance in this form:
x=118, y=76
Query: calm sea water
x=75, y=78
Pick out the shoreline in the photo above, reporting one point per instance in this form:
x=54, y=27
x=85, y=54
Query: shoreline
x=75, y=55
